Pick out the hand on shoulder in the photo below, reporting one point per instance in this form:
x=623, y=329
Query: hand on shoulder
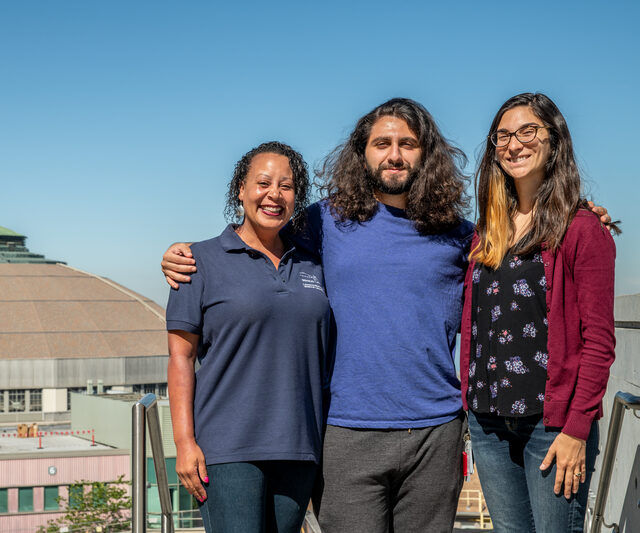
x=177, y=263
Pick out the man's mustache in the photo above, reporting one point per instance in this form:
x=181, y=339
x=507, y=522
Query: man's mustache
x=387, y=166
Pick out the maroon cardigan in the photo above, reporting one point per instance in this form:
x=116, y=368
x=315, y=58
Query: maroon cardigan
x=581, y=341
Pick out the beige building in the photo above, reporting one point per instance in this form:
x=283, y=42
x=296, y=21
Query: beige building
x=62, y=329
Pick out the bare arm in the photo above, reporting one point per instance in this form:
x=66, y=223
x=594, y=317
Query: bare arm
x=190, y=462
x=177, y=263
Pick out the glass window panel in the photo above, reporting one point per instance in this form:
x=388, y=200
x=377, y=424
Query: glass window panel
x=151, y=471
x=186, y=500
x=51, y=499
x=35, y=400
x=153, y=505
x=97, y=500
x=75, y=496
x=172, y=476
x=25, y=499
x=16, y=401
x=4, y=501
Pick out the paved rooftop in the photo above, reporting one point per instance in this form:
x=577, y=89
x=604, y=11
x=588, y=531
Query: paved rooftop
x=50, y=443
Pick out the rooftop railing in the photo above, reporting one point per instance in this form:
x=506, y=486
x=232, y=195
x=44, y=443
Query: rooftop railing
x=146, y=410
x=145, y=415
x=623, y=401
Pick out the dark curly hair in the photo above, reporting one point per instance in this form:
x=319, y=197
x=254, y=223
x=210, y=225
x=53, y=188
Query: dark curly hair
x=437, y=199
x=301, y=183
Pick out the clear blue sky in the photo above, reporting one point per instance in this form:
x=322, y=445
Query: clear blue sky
x=120, y=122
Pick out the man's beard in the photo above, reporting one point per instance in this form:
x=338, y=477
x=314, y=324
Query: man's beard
x=391, y=186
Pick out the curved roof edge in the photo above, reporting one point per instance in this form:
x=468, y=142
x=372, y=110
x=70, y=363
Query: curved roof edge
x=120, y=288
x=6, y=232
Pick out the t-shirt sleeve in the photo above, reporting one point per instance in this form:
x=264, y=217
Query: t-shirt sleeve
x=184, y=308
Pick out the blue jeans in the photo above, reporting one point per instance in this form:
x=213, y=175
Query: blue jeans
x=257, y=497
x=508, y=452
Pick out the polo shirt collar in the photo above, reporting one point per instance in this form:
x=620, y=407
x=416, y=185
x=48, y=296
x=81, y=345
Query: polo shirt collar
x=231, y=241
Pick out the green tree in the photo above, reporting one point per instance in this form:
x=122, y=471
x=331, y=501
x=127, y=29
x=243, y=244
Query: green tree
x=93, y=506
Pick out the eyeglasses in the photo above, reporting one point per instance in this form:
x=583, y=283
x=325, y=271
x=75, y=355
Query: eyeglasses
x=524, y=134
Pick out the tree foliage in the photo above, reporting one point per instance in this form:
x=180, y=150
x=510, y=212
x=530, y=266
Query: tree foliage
x=93, y=506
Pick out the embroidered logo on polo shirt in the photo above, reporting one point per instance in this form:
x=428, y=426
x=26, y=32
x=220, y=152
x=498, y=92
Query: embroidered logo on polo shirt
x=310, y=281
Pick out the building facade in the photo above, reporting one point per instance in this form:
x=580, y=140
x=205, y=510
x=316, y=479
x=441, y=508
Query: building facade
x=63, y=330
x=35, y=472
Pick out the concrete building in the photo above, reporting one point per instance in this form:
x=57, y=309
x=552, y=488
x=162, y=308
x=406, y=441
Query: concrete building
x=61, y=328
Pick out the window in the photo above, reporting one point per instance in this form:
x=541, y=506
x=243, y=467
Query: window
x=16, y=401
x=69, y=391
x=159, y=389
x=4, y=501
x=35, y=400
x=185, y=499
x=25, y=499
x=76, y=493
x=51, y=499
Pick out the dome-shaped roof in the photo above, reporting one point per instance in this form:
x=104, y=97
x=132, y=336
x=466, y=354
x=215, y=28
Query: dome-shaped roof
x=6, y=232
x=56, y=311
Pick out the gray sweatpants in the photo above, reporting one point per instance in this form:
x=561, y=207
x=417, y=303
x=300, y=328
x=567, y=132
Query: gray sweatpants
x=391, y=481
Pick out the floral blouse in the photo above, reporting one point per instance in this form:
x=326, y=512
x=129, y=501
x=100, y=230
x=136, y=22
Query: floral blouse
x=508, y=367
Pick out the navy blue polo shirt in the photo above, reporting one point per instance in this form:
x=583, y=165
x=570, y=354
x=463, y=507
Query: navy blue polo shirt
x=264, y=337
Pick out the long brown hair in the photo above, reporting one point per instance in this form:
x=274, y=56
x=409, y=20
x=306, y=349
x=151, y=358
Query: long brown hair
x=436, y=200
x=557, y=199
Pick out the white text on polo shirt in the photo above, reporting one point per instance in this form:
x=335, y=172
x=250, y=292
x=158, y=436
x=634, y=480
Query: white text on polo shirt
x=310, y=281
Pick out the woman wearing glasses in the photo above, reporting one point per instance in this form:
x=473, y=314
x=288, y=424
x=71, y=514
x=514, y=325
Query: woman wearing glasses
x=538, y=331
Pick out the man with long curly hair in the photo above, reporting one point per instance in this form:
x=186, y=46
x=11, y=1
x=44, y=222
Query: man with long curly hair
x=393, y=243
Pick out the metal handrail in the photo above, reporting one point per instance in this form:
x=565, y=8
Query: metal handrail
x=147, y=408
x=622, y=401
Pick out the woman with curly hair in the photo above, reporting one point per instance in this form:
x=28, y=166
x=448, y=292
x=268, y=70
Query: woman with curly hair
x=537, y=326
x=247, y=424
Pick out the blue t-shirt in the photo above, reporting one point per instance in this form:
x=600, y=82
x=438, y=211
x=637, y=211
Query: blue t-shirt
x=264, y=335
x=397, y=300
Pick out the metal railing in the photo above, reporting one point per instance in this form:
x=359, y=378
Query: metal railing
x=476, y=508
x=146, y=409
x=622, y=402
